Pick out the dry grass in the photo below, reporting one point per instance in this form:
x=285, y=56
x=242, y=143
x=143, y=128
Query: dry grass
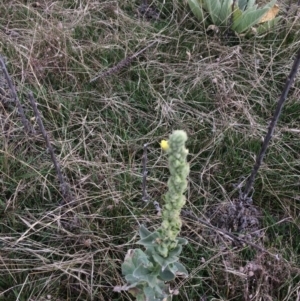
x=222, y=92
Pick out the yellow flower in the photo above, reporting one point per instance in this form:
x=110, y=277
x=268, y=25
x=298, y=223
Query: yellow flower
x=164, y=145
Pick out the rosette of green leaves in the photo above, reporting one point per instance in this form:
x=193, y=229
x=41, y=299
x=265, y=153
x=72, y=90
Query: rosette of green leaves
x=241, y=15
x=146, y=272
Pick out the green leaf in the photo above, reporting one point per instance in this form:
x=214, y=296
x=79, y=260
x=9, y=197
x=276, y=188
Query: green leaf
x=131, y=279
x=156, y=294
x=213, y=8
x=164, y=262
x=130, y=262
x=140, y=257
x=181, y=270
x=225, y=12
x=251, y=3
x=237, y=13
x=149, y=294
x=176, y=251
x=242, y=4
x=197, y=9
x=134, y=259
x=127, y=268
x=136, y=292
x=143, y=259
x=149, y=240
x=140, y=272
x=144, y=232
x=246, y=4
x=182, y=241
x=250, y=17
x=144, y=274
x=167, y=275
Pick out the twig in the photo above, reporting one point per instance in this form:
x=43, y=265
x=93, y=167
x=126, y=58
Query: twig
x=145, y=172
x=125, y=62
x=15, y=98
x=259, y=159
x=144, y=182
x=188, y=213
x=64, y=188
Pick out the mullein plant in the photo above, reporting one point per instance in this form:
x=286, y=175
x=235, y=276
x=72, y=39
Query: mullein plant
x=148, y=271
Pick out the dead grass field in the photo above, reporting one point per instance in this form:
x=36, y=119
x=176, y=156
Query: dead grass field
x=221, y=91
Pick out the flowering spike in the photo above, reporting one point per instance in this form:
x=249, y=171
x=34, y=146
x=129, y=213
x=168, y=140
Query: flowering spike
x=174, y=198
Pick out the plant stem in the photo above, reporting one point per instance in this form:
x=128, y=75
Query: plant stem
x=145, y=173
x=282, y=99
x=65, y=190
x=15, y=99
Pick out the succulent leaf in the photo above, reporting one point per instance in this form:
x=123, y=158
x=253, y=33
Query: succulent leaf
x=197, y=9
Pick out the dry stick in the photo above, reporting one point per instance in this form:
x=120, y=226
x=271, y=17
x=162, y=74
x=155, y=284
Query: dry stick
x=259, y=159
x=125, y=62
x=144, y=184
x=64, y=188
x=15, y=98
x=145, y=172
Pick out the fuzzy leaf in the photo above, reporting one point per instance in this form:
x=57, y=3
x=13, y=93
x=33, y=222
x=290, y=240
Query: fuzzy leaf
x=140, y=272
x=131, y=279
x=127, y=268
x=182, y=241
x=176, y=251
x=149, y=240
x=144, y=232
x=167, y=275
x=149, y=294
x=173, y=270
x=155, y=294
x=181, y=270
x=145, y=275
x=164, y=262
x=130, y=262
x=133, y=260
